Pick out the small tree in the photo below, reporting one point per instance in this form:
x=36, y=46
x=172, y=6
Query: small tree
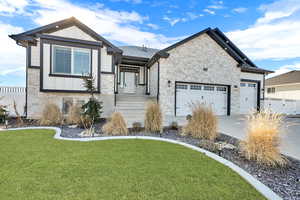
x=91, y=111
x=3, y=113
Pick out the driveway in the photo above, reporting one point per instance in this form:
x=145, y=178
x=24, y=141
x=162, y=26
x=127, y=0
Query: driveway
x=236, y=126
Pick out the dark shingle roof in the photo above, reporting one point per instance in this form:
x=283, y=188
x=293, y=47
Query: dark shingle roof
x=287, y=78
x=136, y=51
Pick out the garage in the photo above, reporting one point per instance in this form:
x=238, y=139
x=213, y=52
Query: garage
x=249, y=96
x=214, y=96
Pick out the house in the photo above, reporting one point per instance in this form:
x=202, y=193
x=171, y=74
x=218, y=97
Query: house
x=284, y=86
x=203, y=68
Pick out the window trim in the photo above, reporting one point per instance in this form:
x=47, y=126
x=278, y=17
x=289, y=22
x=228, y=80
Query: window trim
x=53, y=74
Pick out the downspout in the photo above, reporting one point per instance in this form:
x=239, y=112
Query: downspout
x=28, y=57
x=158, y=79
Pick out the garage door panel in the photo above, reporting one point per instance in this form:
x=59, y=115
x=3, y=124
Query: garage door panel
x=209, y=95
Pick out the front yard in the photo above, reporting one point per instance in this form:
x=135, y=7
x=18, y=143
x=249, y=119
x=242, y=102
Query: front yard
x=36, y=166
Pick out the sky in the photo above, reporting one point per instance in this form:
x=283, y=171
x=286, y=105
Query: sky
x=267, y=31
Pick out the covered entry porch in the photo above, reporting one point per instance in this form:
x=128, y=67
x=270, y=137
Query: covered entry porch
x=132, y=76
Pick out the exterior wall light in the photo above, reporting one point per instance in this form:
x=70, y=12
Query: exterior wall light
x=169, y=83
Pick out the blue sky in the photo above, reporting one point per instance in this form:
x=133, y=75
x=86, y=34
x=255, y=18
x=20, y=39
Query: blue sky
x=267, y=31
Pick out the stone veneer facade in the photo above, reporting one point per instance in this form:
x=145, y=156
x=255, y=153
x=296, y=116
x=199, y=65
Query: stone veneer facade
x=186, y=63
x=36, y=100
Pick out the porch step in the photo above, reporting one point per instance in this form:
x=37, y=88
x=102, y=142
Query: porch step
x=132, y=107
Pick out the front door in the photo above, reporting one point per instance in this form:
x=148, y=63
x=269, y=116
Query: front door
x=129, y=82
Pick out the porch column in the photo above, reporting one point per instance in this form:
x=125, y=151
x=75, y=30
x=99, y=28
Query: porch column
x=147, y=80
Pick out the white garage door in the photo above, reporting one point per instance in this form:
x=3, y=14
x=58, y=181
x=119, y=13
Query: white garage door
x=209, y=95
x=248, y=97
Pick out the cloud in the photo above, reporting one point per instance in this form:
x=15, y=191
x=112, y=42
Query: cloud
x=216, y=7
x=273, y=37
x=240, y=10
x=128, y=1
x=12, y=56
x=153, y=26
x=7, y=7
x=194, y=16
x=209, y=11
x=278, y=9
x=284, y=69
x=172, y=21
x=117, y=26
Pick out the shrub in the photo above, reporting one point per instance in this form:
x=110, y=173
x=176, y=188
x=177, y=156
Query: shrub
x=74, y=115
x=3, y=113
x=203, y=123
x=51, y=115
x=136, y=127
x=174, y=126
x=262, y=141
x=153, y=118
x=116, y=126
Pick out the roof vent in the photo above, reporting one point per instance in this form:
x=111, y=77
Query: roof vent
x=144, y=48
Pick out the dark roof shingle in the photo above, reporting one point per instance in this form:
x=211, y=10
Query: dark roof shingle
x=136, y=51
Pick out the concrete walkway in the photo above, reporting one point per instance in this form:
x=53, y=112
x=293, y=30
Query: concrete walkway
x=236, y=126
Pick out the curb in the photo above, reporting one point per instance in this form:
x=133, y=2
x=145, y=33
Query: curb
x=259, y=186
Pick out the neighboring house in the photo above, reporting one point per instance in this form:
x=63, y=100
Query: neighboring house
x=284, y=86
x=205, y=67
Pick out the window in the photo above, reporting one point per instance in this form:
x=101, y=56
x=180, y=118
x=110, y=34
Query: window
x=251, y=85
x=183, y=87
x=71, y=61
x=223, y=89
x=67, y=103
x=242, y=84
x=209, y=88
x=196, y=87
x=271, y=90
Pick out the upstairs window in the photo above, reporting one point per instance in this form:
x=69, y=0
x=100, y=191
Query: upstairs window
x=71, y=60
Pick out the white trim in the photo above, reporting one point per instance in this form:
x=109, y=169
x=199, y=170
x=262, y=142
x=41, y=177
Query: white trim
x=282, y=85
x=260, y=187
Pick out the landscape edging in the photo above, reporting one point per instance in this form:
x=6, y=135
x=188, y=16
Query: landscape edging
x=259, y=186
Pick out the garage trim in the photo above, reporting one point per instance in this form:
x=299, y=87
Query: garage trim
x=258, y=90
x=214, y=84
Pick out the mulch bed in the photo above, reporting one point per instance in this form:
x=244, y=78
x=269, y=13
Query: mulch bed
x=283, y=181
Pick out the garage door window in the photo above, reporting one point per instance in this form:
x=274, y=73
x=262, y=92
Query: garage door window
x=243, y=84
x=209, y=88
x=222, y=89
x=251, y=85
x=196, y=87
x=183, y=87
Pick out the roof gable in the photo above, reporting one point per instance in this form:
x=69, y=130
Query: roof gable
x=287, y=78
x=244, y=62
x=59, y=25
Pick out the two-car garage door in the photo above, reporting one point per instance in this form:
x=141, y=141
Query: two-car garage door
x=214, y=96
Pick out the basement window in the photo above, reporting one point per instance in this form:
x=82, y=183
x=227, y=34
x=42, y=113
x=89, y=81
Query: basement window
x=67, y=103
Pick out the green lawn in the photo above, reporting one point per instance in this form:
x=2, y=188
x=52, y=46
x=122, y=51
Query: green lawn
x=35, y=166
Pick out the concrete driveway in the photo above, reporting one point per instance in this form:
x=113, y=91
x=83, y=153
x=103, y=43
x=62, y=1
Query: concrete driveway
x=236, y=126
